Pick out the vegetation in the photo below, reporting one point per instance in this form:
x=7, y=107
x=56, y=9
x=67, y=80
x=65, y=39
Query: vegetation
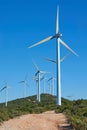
x=76, y=111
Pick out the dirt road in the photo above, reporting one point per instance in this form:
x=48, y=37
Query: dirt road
x=45, y=121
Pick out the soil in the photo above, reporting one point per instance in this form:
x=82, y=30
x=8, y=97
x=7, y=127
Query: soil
x=45, y=121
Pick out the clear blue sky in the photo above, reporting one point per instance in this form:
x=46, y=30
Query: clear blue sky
x=24, y=22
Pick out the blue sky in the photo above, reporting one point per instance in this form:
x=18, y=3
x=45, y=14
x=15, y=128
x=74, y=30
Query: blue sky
x=23, y=23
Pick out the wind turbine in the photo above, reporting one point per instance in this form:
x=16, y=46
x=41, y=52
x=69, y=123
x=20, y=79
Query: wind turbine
x=49, y=87
x=6, y=93
x=61, y=60
x=24, y=82
x=36, y=79
x=52, y=79
x=38, y=73
x=44, y=84
x=70, y=96
x=58, y=69
x=44, y=81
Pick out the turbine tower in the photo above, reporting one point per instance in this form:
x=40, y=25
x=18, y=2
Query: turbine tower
x=58, y=69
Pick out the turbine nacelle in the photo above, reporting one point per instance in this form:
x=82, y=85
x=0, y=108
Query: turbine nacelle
x=58, y=35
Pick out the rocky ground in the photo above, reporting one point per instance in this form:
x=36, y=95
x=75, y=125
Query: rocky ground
x=45, y=121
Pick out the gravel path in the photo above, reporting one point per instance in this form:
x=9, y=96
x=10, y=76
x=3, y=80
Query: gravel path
x=45, y=121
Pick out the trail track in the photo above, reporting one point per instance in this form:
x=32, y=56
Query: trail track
x=45, y=121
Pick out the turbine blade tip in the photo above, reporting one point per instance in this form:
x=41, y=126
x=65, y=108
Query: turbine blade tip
x=30, y=47
x=77, y=55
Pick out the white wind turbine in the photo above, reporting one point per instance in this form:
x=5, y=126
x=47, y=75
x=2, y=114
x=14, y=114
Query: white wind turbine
x=44, y=79
x=36, y=79
x=70, y=97
x=6, y=93
x=24, y=82
x=53, y=80
x=54, y=61
x=49, y=87
x=58, y=69
x=38, y=73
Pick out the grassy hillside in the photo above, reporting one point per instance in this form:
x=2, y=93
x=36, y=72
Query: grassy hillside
x=76, y=111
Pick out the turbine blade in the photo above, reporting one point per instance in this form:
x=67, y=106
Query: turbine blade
x=42, y=78
x=35, y=65
x=50, y=59
x=64, y=57
x=50, y=79
x=63, y=43
x=44, y=72
x=36, y=73
x=57, y=20
x=45, y=40
x=35, y=78
x=69, y=96
x=3, y=88
x=22, y=82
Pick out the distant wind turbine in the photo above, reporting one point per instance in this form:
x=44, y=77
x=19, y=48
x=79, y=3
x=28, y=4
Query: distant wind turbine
x=52, y=79
x=44, y=91
x=70, y=96
x=38, y=73
x=36, y=79
x=61, y=60
x=6, y=93
x=49, y=87
x=58, y=41
x=24, y=82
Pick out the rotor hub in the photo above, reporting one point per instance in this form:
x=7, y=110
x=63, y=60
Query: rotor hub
x=58, y=35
